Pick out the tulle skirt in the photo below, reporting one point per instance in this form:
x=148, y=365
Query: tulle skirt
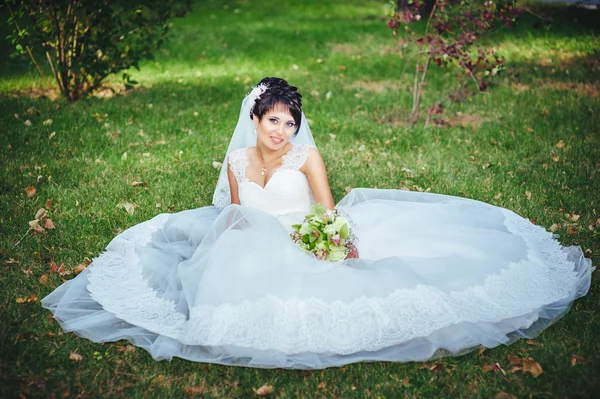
x=437, y=275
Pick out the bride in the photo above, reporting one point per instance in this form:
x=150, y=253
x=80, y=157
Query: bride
x=436, y=275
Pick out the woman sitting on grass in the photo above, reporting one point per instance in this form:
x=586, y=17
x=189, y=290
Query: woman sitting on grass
x=437, y=275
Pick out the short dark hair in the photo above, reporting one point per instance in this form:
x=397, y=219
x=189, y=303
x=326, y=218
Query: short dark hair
x=278, y=92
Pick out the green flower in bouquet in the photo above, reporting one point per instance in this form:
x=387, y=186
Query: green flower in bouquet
x=324, y=233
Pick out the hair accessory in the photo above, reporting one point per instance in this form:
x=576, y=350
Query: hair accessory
x=256, y=92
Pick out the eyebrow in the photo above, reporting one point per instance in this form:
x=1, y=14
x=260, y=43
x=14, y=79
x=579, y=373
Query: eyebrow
x=276, y=117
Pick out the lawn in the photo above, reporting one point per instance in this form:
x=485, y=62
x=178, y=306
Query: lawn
x=531, y=145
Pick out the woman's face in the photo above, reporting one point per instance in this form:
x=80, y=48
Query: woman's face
x=275, y=128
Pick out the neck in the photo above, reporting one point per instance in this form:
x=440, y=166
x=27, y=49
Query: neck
x=266, y=155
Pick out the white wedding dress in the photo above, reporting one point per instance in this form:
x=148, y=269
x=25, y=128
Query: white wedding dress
x=437, y=275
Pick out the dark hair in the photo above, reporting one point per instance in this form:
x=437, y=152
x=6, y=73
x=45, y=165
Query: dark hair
x=279, y=92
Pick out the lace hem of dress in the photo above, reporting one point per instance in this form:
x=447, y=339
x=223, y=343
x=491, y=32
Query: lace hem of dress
x=313, y=325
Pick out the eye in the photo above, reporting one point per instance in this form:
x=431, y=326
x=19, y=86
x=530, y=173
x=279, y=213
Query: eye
x=290, y=124
x=273, y=120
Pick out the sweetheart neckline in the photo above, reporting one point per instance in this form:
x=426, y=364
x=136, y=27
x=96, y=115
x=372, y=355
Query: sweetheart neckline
x=272, y=176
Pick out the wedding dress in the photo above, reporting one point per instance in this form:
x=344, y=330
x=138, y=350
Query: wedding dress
x=437, y=275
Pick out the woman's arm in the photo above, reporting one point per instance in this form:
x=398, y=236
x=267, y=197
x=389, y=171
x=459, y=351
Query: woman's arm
x=233, y=186
x=314, y=169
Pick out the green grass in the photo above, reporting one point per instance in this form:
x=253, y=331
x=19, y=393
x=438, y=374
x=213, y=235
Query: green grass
x=180, y=120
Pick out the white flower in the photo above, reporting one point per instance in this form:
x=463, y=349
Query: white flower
x=337, y=254
x=256, y=92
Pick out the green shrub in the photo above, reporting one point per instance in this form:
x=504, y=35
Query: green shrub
x=84, y=41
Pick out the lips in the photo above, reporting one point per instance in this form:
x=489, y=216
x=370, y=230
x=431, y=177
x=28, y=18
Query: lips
x=276, y=140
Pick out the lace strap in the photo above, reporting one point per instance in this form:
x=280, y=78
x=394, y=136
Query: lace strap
x=296, y=157
x=238, y=162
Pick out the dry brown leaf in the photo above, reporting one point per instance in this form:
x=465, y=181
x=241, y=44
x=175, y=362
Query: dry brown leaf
x=514, y=360
x=554, y=227
x=139, y=184
x=75, y=357
x=577, y=360
x=49, y=224
x=35, y=226
x=50, y=204
x=82, y=266
x=26, y=299
x=53, y=267
x=560, y=144
x=497, y=196
x=574, y=217
x=572, y=230
x=348, y=189
x=196, y=390
x=44, y=279
x=11, y=261
x=528, y=195
x=217, y=165
x=40, y=214
x=555, y=158
x=62, y=270
x=264, y=390
x=532, y=367
x=30, y=191
x=322, y=385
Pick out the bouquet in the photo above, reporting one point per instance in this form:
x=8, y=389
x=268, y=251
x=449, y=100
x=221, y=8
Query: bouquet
x=325, y=234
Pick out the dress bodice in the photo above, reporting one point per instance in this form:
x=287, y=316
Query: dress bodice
x=288, y=190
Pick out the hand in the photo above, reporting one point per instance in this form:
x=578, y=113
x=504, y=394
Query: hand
x=353, y=251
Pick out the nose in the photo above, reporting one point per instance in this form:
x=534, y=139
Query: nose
x=280, y=129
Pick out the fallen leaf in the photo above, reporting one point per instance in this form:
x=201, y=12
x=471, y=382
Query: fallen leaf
x=47, y=122
x=28, y=272
x=30, y=191
x=532, y=367
x=50, y=204
x=49, y=224
x=27, y=122
x=124, y=156
x=332, y=136
x=139, y=184
x=40, y=214
x=497, y=196
x=75, y=357
x=62, y=270
x=217, y=165
x=514, y=360
x=577, y=359
x=554, y=227
x=129, y=207
x=572, y=230
x=528, y=195
x=82, y=266
x=53, y=267
x=44, y=279
x=560, y=144
x=196, y=390
x=574, y=217
x=322, y=385
x=530, y=130
x=264, y=390
x=34, y=225
x=51, y=135
x=348, y=189
x=11, y=261
x=556, y=158
x=21, y=300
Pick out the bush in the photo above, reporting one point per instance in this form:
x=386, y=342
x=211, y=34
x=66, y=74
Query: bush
x=84, y=41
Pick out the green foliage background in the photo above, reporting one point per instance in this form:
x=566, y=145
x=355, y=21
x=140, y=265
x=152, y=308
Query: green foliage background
x=502, y=148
